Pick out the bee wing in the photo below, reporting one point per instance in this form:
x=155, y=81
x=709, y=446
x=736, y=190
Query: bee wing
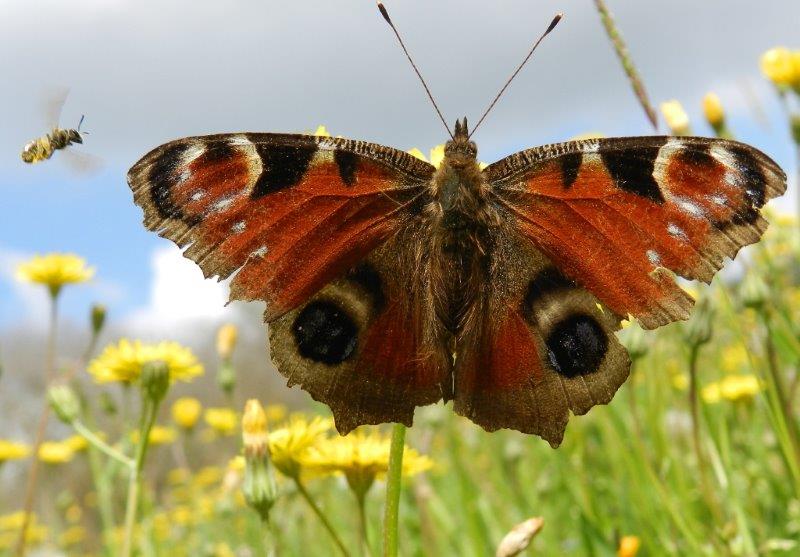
x=52, y=103
x=80, y=163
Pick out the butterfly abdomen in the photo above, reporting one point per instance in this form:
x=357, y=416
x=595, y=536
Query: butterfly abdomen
x=461, y=241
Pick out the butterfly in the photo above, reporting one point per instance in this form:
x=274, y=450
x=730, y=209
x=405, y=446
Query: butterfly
x=390, y=283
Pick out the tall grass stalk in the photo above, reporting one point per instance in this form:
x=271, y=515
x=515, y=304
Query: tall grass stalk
x=391, y=517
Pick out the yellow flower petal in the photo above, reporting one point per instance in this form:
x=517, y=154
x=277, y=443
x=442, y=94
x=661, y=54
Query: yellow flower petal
x=417, y=153
x=124, y=361
x=55, y=270
x=321, y=131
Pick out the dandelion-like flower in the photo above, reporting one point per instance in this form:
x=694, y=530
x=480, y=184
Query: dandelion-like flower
x=676, y=117
x=55, y=452
x=159, y=435
x=733, y=388
x=226, y=340
x=54, y=270
x=124, y=361
x=362, y=456
x=223, y=421
x=629, y=546
x=781, y=66
x=289, y=445
x=12, y=451
x=713, y=110
x=186, y=411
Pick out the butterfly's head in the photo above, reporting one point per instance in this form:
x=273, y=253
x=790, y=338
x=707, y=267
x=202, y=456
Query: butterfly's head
x=460, y=149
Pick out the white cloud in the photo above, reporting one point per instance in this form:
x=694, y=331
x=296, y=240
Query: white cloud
x=179, y=295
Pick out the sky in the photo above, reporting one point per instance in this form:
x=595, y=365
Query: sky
x=147, y=71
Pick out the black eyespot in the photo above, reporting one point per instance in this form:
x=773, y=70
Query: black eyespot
x=576, y=346
x=325, y=333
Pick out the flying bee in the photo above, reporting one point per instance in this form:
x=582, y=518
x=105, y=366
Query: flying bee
x=43, y=148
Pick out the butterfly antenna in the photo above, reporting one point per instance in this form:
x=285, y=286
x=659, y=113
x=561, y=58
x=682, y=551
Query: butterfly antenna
x=385, y=15
x=550, y=27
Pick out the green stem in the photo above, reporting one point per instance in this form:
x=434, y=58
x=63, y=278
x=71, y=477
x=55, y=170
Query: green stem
x=50, y=365
x=149, y=411
x=321, y=515
x=365, y=549
x=391, y=516
x=702, y=464
x=101, y=445
x=627, y=63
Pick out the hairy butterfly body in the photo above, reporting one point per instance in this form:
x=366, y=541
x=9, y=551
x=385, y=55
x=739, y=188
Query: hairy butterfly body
x=390, y=284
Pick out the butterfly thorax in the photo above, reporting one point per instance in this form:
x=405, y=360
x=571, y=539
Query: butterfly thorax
x=462, y=220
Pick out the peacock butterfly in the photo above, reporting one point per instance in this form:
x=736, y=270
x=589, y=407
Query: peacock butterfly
x=390, y=283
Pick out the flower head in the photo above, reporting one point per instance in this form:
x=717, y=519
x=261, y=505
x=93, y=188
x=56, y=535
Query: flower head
x=713, y=111
x=676, y=117
x=289, y=445
x=222, y=420
x=56, y=452
x=12, y=451
x=186, y=411
x=55, y=270
x=781, y=66
x=159, y=435
x=362, y=456
x=733, y=388
x=629, y=546
x=125, y=361
x=226, y=340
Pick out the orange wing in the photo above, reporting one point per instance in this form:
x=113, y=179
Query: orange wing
x=615, y=214
x=289, y=212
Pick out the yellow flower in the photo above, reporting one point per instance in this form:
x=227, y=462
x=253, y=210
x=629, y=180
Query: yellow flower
x=72, y=536
x=55, y=270
x=209, y=475
x=436, y=156
x=362, y=456
x=12, y=451
x=322, y=132
x=680, y=381
x=73, y=514
x=781, y=66
x=676, y=117
x=76, y=442
x=275, y=413
x=55, y=452
x=254, y=428
x=159, y=435
x=178, y=476
x=587, y=135
x=733, y=357
x=182, y=515
x=124, y=361
x=226, y=340
x=14, y=521
x=236, y=464
x=222, y=420
x=186, y=411
x=9, y=530
x=712, y=109
x=289, y=445
x=629, y=546
x=733, y=388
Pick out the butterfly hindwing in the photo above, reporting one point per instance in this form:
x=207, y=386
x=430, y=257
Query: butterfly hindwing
x=615, y=215
x=360, y=345
x=289, y=212
x=540, y=347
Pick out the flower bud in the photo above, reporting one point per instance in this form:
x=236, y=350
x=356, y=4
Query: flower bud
x=634, y=339
x=778, y=65
x=699, y=329
x=259, y=486
x=155, y=380
x=226, y=340
x=754, y=291
x=676, y=117
x=186, y=411
x=519, y=538
x=795, y=124
x=254, y=429
x=64, y=403
x=629, y=546
x=226, y=377
x=713, y=111
x=98, y=318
